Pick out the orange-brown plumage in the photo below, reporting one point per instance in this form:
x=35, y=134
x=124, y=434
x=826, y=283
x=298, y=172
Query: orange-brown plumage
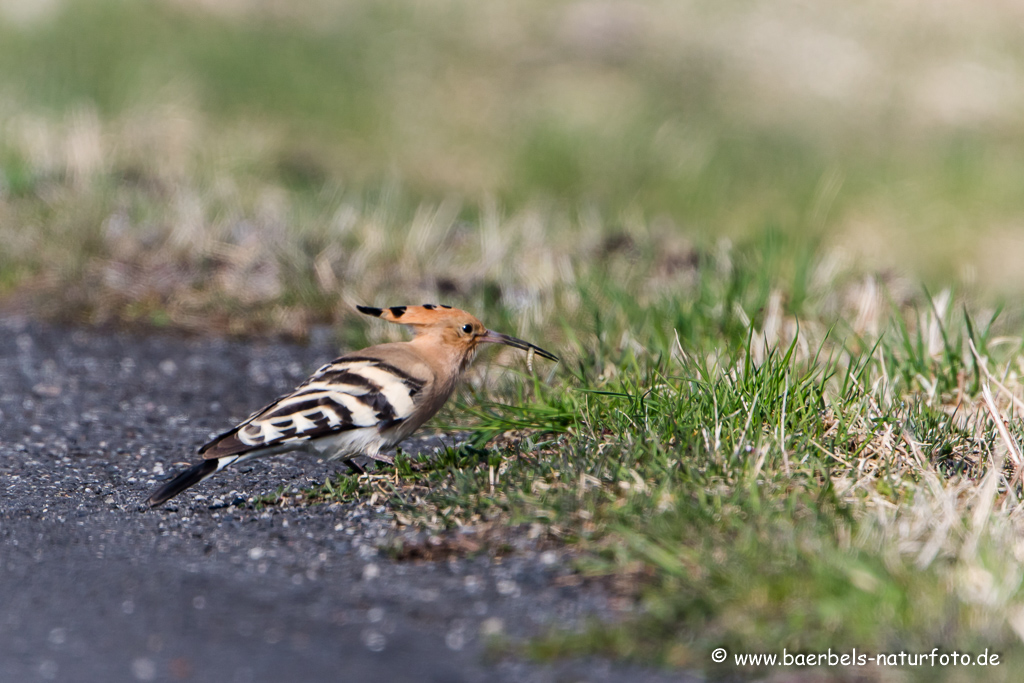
x=361, y=403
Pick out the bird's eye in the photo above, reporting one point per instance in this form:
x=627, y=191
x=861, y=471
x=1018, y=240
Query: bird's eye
x=467, y=328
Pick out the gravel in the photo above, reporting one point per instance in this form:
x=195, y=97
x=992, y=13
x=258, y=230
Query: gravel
x=209, y=588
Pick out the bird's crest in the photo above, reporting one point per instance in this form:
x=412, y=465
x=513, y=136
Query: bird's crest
x=427, y=314
x=452, y=327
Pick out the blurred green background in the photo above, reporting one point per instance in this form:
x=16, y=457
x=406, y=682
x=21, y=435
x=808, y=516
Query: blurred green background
x=257, y=164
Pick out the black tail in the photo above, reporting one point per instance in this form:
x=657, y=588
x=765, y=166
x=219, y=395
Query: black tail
x=190, y=477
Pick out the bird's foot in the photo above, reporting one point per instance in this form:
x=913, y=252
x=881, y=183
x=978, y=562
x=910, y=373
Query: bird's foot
x=354, y=466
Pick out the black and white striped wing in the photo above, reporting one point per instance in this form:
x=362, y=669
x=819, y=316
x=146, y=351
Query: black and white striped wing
x=352, y=392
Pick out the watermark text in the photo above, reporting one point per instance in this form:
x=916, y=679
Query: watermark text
x=853, y=657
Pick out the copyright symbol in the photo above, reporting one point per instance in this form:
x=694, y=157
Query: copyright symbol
x=718, y=655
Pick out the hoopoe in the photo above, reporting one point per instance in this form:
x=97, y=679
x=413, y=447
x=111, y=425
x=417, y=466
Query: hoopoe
x=362, y=403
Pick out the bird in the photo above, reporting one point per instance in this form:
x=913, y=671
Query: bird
x=362, y=403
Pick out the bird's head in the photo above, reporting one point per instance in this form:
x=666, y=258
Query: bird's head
x=449, y=329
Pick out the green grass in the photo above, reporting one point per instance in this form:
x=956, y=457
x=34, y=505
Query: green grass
x=822, y=491
x=761, y=245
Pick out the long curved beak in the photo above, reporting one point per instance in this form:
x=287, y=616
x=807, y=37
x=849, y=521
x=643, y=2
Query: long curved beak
x=498, y=338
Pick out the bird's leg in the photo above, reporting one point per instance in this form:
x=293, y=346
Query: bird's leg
x=354, y=466
x=399, y=453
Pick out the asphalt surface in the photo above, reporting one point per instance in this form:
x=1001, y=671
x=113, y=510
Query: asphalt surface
x=210, y=588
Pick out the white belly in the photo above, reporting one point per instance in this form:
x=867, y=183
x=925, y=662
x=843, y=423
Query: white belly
x=349, y=443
